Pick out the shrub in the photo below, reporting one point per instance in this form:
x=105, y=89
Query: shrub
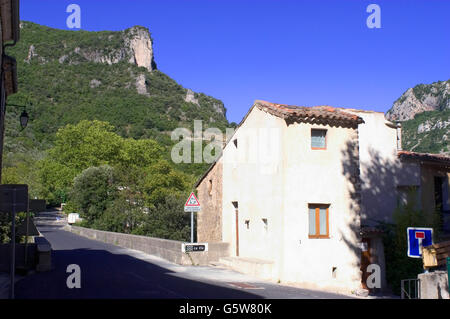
x=398, y=265
x=92, y=191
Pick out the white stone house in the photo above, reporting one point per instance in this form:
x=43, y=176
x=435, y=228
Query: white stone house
x=294, y=194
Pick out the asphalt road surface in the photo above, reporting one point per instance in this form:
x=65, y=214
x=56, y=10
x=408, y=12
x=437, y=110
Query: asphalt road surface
x=109, y=271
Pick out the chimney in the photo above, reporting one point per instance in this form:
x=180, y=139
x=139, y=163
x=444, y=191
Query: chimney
x=399, y=135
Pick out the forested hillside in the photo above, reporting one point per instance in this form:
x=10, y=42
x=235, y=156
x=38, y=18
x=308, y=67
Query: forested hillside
x=101, y=113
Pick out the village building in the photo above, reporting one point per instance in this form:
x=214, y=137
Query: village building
x=298, y=193
x=9, y=35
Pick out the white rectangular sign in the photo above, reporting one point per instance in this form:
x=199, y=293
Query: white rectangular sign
x=194, y=247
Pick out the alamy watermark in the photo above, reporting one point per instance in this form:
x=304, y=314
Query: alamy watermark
x=74, y=279
x=374, y=19
x=260, y=145
x=73, y=21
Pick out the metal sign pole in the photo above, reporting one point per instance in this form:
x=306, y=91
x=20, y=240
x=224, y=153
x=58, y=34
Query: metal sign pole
x=13, y=198
x=26, y=239
x=192, y=227
x=192, y=205
x=13, y=245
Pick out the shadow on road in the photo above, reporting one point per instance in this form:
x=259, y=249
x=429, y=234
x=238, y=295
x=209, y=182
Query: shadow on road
x=107, y=274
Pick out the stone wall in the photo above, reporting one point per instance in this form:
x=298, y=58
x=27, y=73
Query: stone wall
x=37, y=205
x=434, y=285
x=209, y=219
x=164, y=248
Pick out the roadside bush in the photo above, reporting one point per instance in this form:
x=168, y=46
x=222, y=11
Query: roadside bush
x=5, y=227
x=92, y=191
x=398, y=265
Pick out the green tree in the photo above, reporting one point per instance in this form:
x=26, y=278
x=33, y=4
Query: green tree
x=139, y=153
x=93, y=190
x=55, y=179
x=167, y=219
x=89, y=143
x=160, y=180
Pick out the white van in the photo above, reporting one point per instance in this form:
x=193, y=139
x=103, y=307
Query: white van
x=73, y=218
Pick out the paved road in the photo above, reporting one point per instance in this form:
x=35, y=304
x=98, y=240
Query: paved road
x=109, y=271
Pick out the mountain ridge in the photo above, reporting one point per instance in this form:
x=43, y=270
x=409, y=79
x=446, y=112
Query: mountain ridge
x=424, y=111
x=90, y=74
x=420, y=98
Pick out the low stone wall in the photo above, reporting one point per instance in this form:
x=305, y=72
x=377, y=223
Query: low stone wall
x=37, y=205
x=164, y=248
x=434, y=285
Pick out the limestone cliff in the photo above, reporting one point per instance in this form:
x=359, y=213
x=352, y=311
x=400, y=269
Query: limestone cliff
x=139, y=47
x=421, y=98
x=133, y=45
x=425, y=115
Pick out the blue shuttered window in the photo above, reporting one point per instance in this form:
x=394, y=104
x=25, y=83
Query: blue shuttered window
x=318, y=139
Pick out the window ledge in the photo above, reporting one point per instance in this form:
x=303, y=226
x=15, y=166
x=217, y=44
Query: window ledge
x=318, y=236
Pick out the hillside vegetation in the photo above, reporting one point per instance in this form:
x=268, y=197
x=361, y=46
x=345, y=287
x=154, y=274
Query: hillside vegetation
x=424, y=111
x=101, y=113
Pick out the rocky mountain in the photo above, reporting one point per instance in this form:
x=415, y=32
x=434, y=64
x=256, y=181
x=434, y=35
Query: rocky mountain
x=132, y=45
x=424, y=111
x=421, y=98
x=68, y=76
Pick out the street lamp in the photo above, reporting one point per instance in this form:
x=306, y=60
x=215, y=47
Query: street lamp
x=24, y=119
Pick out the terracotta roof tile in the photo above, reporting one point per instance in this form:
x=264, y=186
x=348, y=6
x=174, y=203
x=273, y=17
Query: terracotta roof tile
x=424, y=157
x=323, y=114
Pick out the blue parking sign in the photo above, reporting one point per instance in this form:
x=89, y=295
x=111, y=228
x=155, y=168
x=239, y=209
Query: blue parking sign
x=418, y=237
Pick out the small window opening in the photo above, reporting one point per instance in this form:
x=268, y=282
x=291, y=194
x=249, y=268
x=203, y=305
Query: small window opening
x=265, y=223
x=318, y=139
x=210, y=186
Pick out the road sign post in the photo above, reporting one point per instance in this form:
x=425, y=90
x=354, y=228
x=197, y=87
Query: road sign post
x=192, y=205
x=192, y=227
x=13, y=199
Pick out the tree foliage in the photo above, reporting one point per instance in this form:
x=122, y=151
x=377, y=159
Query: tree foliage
x=398, y=265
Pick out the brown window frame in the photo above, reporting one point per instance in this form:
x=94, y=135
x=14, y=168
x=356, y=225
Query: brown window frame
x=317, y=211
x=326, y=138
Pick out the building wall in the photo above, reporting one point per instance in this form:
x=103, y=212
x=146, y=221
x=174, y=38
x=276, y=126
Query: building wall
x=277, y=183
x=331, y=177
x=427, y=194
x=381, y=171
x=2, y=101
x=252, y=178
x=209, y=219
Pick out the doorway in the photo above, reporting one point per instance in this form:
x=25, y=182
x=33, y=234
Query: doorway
x=365, y=261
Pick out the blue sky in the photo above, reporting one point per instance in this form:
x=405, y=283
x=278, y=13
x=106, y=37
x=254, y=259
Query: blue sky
x=296, y=52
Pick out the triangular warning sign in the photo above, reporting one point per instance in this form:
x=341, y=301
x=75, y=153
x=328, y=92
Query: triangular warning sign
x=192, y=201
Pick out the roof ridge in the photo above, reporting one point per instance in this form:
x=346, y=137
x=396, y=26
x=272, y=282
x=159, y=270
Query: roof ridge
x=319, y=114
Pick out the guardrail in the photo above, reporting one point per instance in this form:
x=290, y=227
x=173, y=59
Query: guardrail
x=407, y=292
